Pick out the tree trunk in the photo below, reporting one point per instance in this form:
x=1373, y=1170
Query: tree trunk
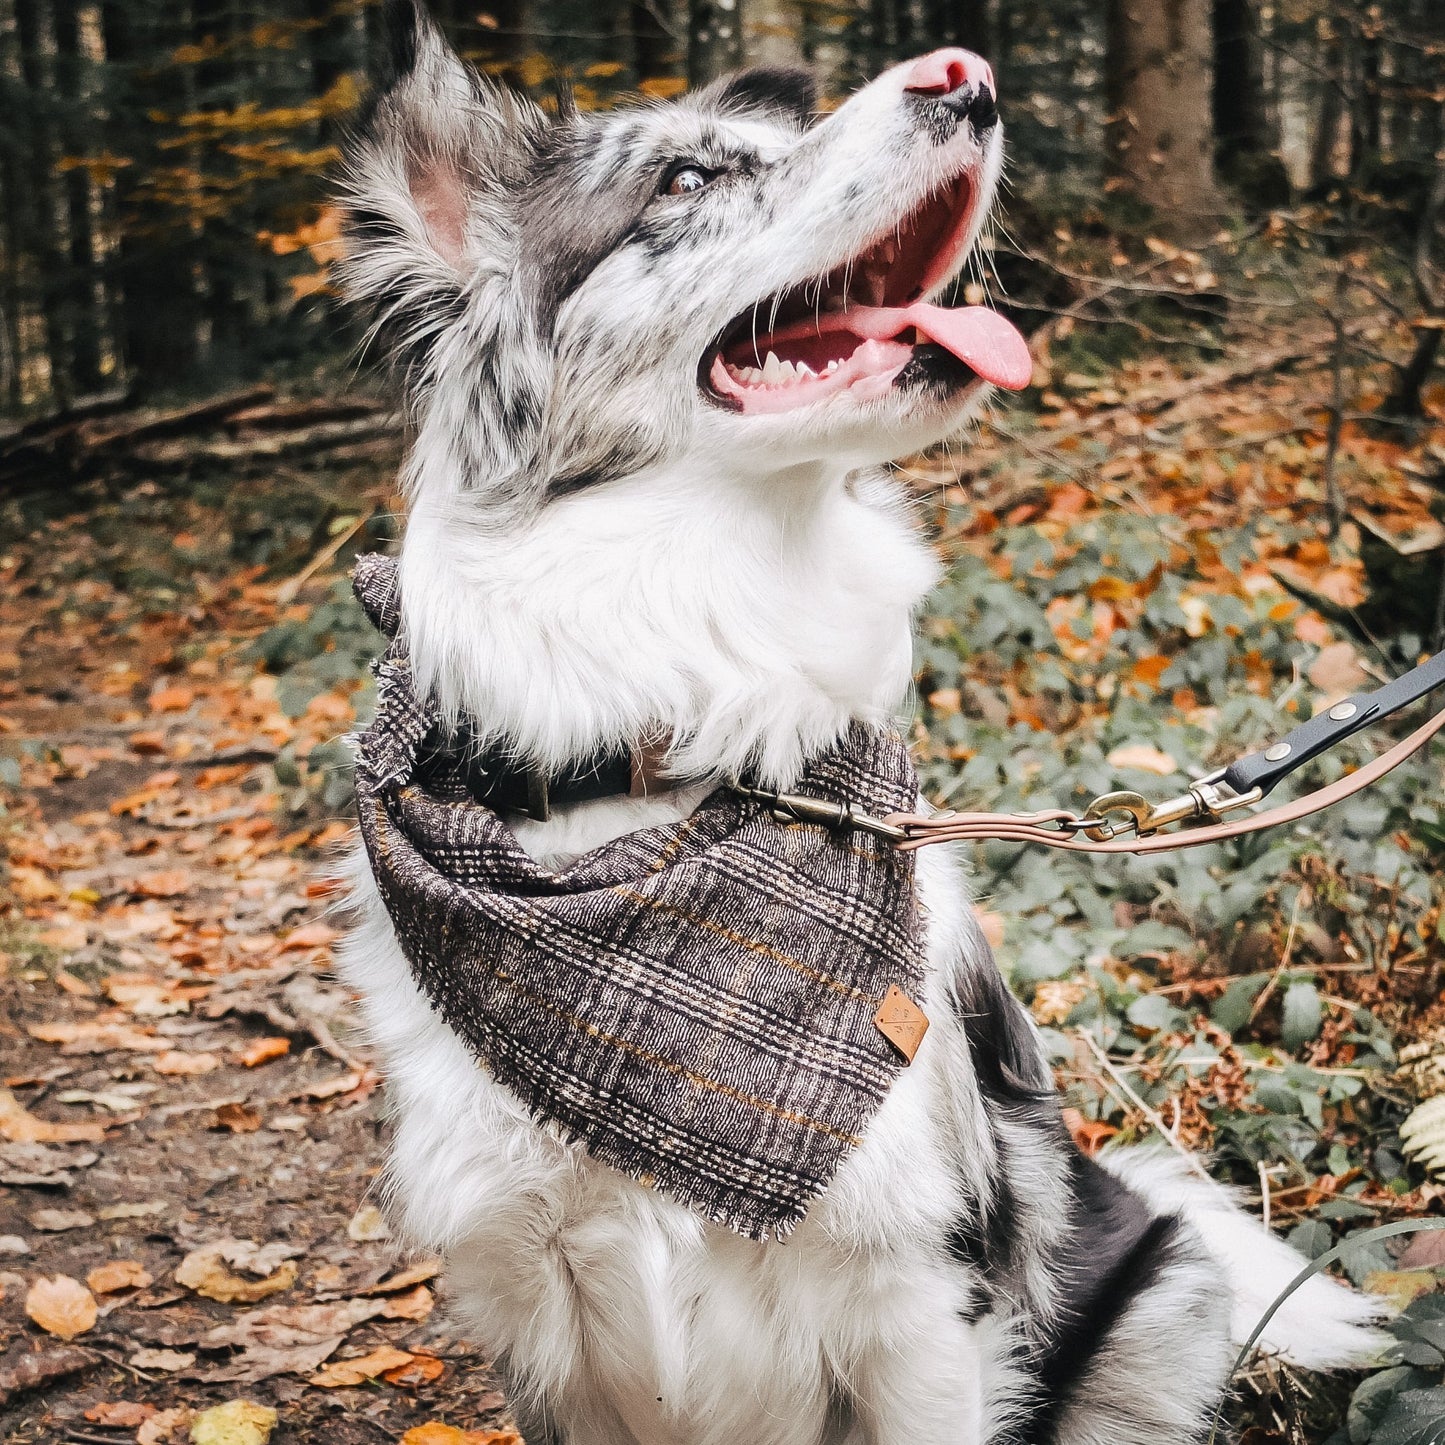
x=1241, y=118
x=1247, y=141
x=43, y=206
x=1158, y=73
x=84, y=297
x=714, y=39
x=156, y=262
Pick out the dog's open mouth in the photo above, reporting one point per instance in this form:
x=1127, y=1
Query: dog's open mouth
x=860, y=326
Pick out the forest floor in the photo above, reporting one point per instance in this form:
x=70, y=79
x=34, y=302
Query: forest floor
x=189, y=1136
x=1142, y=580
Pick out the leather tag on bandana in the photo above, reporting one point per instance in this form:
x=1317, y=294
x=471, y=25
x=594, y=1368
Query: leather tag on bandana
x=901, y=1022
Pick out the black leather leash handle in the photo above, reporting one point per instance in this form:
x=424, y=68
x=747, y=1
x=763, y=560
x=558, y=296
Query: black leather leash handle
x=1266, y=768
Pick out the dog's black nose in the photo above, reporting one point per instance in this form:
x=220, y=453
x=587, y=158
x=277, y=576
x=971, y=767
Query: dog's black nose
x=973, y=103
x=958, y=81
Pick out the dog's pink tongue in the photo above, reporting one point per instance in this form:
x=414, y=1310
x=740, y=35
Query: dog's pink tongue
x=979, y=337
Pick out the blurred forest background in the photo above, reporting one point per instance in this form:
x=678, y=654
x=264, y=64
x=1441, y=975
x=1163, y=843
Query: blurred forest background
x=1219, y=507
x=162, y=162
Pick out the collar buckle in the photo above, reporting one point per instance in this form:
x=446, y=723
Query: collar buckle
x=841, y=817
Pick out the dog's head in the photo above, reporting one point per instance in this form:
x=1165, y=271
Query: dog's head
x=579, y=298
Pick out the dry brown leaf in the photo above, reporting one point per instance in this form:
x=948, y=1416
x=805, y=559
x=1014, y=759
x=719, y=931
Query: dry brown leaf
x=330, y=1088
x=61, y=1306
x=148, y=997
x=205, y=1270
x=57, y=1221
x=340, y=1374
x=92, y=1036
x=414, y=1274
x=414, y=1305
x=162, y=1427
x=20, y=1126
x=310, y=935
x=1143, y=758
x=262, y=1051
x=120, y=1414
x=238, y=1119
x=33, y=885
x=118, y=1274
x=166, y=1361
x=168, y=883
x=1337, y=672
x=286, y=1339
x=422, y=1370
x=179, y=1063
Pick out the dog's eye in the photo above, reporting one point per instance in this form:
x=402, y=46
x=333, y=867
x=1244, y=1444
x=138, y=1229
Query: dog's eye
x=684, y=180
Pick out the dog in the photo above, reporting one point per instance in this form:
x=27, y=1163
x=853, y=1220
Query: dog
x=657, y=361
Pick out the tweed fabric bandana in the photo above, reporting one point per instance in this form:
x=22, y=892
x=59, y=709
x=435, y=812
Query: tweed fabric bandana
x=693, y=1003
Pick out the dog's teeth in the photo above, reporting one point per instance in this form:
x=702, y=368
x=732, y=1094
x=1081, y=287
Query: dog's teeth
x=831, y=367
x=752, y=374
x=772, y=369
x=803, y=370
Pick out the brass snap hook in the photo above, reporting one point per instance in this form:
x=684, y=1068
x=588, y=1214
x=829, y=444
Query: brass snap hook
x=1136, y=805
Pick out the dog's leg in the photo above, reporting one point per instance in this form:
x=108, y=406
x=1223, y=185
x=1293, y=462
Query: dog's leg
x=922, y=1374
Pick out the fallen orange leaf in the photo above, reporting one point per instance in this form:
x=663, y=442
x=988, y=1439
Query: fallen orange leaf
x=61, y=1306
x=341, y=1373
x=169, y=883
x=262, y=1051
x=416, y=1304
x=435, y=1433
x=238, y=1119
x=183, y=1065
x=118, y=1274
x=120, y=1414
x=310, y=935
x=421, y=1370
x=20, y=1126
x=172, y=699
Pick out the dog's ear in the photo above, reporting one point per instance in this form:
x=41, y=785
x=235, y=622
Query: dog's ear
x=782, y=90
x=425, y=181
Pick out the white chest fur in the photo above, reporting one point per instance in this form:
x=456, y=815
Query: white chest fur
x=629, y=1319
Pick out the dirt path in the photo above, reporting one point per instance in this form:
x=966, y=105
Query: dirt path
x=190, y=1134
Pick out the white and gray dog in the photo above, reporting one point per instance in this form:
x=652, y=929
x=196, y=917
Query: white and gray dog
x=649, y=509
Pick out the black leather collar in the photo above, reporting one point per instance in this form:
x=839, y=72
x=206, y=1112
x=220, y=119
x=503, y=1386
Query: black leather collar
x=506, y=785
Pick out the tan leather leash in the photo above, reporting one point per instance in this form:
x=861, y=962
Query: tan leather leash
x=1061, y=829
x=1098, y=830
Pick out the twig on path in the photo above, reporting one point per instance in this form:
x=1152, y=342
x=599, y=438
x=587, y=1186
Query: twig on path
x=287, y=591
x=1274, y=978
x=1152, y=1115
x=117, y=1361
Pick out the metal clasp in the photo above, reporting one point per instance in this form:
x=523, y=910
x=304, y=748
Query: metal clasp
x=843, y=817
x=1210, y=797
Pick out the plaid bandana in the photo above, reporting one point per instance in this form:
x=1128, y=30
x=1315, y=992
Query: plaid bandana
x=693, y=1003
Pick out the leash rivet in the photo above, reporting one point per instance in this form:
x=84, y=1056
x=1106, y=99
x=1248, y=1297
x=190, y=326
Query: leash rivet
x=1342, y=710
x=1278, y=751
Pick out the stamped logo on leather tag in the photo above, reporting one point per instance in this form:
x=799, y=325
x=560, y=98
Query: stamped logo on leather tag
x=901, y=1022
